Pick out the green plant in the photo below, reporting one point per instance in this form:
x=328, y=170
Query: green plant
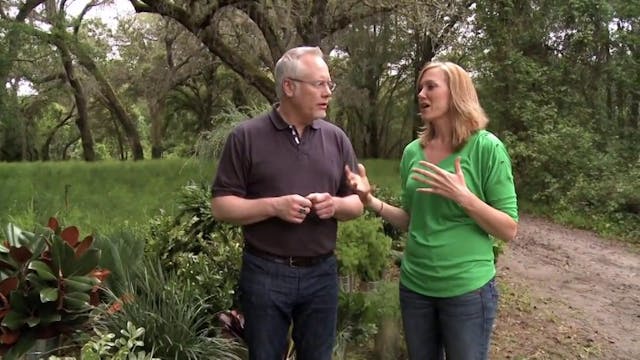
x=50, y=283
x=122, y=251
x=105, y=345
x=363, y=249
x=391, y=197
x=177, y=323
x=354, y=321
x=203, y=252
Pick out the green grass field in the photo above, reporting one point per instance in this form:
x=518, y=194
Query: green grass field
x=102, y=195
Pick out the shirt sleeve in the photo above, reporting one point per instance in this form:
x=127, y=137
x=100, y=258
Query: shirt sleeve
x=499, y=188
x=348, y=158
x=405, y=164
x=233, y=167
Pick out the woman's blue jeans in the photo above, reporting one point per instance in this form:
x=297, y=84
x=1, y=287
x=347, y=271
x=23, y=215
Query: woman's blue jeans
x=459, y=326
x=274, y=296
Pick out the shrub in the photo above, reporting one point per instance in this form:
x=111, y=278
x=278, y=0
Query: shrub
x=202, y=251
x=363, y=249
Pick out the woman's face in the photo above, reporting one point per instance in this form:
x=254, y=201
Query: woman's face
x=434, y=97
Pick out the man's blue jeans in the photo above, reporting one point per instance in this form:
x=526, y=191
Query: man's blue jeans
x=274, y=296
x=461, y=326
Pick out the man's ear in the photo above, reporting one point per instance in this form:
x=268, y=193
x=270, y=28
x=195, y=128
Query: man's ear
x=288, y=88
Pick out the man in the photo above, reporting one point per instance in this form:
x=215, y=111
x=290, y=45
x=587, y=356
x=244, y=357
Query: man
x=281, y=176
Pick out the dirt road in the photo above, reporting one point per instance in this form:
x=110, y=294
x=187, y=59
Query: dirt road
x=588, y=283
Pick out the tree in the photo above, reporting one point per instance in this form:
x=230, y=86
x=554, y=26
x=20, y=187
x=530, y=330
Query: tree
x=14, y=145
x=379, y=61
x=279, y=24
x=56, y=16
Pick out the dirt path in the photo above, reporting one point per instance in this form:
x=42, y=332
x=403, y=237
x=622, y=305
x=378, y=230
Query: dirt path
x=585, y=283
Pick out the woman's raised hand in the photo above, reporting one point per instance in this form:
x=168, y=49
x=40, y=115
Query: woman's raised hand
x=359, y=183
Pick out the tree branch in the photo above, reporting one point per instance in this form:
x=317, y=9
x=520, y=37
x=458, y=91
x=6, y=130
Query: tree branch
x=27, y=8
x=78, y=21
x=344, y=19
x=256, y=12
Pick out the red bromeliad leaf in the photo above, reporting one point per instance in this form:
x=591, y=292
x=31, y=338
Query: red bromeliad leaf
x=70, y=235
x=53, y=224
x=20, y=254
x=84, y=245
x=9, y=337
x=7, y=285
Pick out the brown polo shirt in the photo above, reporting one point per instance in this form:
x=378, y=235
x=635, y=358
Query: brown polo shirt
x=264, y=157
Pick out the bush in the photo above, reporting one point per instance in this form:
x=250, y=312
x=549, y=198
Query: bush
x=363, y=249
x=202, y=251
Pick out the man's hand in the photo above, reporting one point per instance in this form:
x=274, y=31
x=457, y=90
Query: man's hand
x=293, y=208
x=322, y=204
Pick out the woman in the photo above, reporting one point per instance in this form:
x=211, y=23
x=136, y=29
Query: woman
x=457, y=192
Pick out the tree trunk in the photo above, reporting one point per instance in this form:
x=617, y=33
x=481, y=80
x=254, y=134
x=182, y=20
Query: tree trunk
x=82, y=120
x=425, y=52
x=65, y=150
x=44, y=150
x=156, y=113
x=113, y=103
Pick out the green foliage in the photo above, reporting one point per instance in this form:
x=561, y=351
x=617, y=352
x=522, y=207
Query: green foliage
x=393, y=198
x=559, y=87
x=355, y=324
x=50, y=283
x=209, y=144
x=556, y=150
x=107, y=346
x=122, y=252
x=205, y=253
x=363, y=249
x=176, y=321
x=363, y=315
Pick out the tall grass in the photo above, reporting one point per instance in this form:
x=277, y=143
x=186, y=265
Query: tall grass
x=94, y=196
x=105, y=196
x=383, y=173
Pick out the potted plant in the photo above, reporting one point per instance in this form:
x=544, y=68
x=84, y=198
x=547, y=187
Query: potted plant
x=49, y=283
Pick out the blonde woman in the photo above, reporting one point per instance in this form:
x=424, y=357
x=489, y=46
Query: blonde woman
x=457, y=192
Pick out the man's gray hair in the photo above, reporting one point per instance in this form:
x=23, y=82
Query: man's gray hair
x=289, y=64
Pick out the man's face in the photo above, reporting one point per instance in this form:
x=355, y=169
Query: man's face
x=310, y=92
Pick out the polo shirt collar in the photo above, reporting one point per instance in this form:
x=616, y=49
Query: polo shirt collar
x=279, y=122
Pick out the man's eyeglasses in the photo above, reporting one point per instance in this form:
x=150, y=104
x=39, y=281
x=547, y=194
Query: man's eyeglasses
x=318, y=84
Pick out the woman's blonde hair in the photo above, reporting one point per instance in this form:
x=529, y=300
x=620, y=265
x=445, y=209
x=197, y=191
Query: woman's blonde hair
x=466, y=113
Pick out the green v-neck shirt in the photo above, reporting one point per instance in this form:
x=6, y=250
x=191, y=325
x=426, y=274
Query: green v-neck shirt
x=447, y=253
